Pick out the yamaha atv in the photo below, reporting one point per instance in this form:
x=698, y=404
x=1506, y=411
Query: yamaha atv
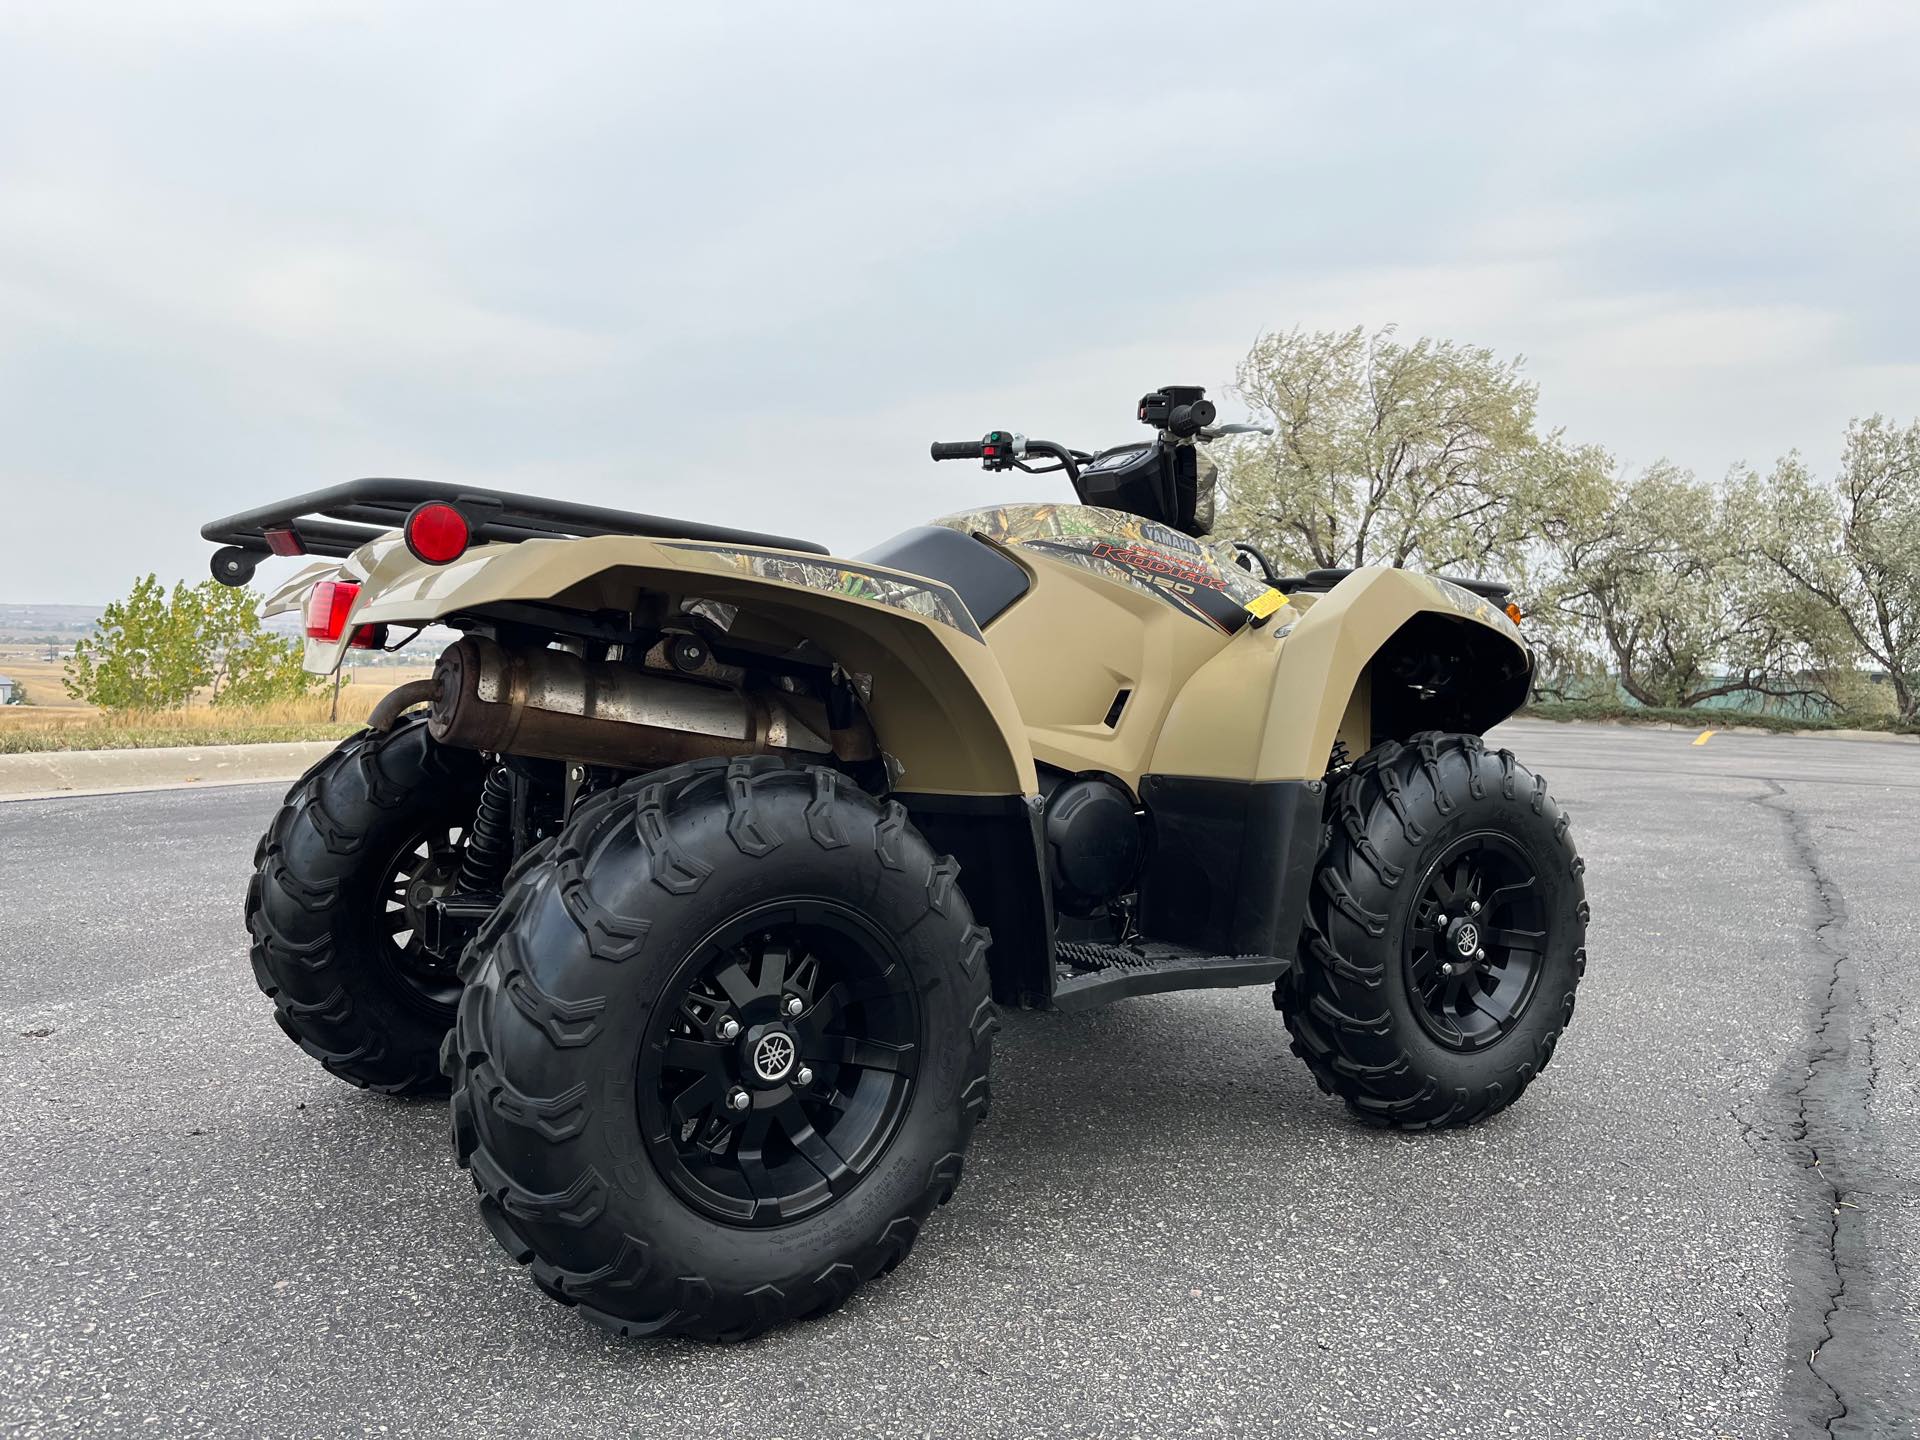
x=699, y=866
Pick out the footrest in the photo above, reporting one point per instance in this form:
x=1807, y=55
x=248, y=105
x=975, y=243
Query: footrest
x=1088, y=975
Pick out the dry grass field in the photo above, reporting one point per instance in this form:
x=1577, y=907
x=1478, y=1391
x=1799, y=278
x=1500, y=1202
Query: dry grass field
x=53, y=720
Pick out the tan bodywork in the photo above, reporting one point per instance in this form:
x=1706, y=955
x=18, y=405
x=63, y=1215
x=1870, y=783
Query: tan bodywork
x=938, y=702
x=965, y=716
x=1271, y=709
x=1266, y=703
x=1073, y=643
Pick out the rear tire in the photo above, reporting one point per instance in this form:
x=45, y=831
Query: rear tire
x=616, y=1007
x=1418, y=1018
x=344, y=986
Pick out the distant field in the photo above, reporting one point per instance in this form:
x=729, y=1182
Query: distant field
x=39, y=677
x=52, y=720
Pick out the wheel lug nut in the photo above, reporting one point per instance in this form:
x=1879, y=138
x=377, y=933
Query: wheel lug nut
x=803, y=1076
x=1474, y=908
x=1439, y=919
x=1479, y=954
x=794, y=1005
x=738, y=1098
x=729, y=1029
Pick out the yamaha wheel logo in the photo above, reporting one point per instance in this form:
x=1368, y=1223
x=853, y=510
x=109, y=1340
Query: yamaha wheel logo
x=773, y=1057
x=1467, y=938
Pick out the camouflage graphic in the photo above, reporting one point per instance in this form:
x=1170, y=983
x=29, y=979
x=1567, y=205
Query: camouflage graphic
x=1206, y=481
x=1149, y=556
x=840, y=577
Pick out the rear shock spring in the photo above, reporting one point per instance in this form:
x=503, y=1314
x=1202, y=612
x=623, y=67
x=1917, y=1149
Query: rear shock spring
x=489, y=848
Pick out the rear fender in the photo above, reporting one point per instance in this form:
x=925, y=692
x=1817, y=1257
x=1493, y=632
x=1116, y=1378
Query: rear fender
x=938, y=701
x=940, y=705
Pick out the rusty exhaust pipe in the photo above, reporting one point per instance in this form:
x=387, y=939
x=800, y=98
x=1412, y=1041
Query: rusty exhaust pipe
x=399, y=700
x=555, y=705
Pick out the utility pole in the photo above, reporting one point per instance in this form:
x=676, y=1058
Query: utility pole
x=333, y=714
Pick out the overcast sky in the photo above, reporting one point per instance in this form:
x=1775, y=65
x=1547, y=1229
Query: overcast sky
x=741, y=262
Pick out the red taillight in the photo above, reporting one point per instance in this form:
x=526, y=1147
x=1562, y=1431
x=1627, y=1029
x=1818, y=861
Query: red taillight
x=437, y=533
x=327, y=607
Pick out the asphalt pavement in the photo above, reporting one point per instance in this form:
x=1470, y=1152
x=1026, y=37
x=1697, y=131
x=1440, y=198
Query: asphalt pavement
x=1703, y=1220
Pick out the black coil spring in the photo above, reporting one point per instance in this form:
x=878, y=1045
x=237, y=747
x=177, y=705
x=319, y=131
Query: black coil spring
x=489, y=847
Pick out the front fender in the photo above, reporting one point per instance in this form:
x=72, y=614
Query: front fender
x=1270, y=708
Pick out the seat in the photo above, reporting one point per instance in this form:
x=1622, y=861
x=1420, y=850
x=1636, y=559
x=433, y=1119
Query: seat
x=986, y=581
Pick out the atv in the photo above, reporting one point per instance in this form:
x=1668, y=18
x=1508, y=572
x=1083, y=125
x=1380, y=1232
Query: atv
x=696, y=871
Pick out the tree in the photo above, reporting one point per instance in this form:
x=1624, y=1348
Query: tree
x=1854, y=546
x=1662, y=576
x=1383, y=453
x=265, y=668
x=247, y=665
x=145, y=654
x=1640, y=574
x=155, y=650
x=1677, y=591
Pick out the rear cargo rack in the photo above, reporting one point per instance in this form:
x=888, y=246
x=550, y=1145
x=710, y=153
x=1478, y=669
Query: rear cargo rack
x=340, y=519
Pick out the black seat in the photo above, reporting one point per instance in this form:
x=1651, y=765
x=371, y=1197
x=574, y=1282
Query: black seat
x=1495, y=590
x=986, y=581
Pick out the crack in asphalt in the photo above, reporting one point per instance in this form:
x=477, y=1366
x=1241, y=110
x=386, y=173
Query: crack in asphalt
x=1873, y=1055
x=1832, y=1092
x=1736, y=1362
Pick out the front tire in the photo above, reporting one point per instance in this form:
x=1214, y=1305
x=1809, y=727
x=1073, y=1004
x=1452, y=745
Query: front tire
x=722, y=1049
x=1445, y=935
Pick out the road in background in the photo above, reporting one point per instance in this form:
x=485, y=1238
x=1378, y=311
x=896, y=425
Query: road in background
x=1165, y=1230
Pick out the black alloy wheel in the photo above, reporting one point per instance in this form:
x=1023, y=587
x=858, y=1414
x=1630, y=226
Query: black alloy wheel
x=425, y=866
x=780, y=1068
x=1445, y=935
x=1474, y=948
x=722, y=1047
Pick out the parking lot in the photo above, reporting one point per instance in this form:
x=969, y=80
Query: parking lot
x=1703, y=1220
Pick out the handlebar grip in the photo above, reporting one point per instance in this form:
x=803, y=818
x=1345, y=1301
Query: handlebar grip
x=957, y=450
x=1191, y=419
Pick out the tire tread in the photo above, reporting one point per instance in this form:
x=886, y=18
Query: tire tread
x=1334, y=1008
x=629, y=1295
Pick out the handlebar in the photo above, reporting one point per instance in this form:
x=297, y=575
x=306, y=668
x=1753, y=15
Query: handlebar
x=1004, y=450
x=1156, y=480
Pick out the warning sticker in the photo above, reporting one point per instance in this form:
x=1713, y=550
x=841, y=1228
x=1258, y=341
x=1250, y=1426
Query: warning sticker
x=1265, y=604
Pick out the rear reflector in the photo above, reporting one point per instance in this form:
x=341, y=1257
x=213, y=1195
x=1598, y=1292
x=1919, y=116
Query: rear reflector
x=328, y=604
x=369, y=637
x=437, y=533
x=285, y=541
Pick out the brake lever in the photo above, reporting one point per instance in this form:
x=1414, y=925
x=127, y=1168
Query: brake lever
x=1215, y=432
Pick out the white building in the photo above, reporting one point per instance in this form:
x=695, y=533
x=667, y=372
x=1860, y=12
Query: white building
x=6, y=691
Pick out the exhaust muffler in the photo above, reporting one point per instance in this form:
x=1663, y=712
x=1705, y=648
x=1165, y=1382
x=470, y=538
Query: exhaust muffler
x=555, y=705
